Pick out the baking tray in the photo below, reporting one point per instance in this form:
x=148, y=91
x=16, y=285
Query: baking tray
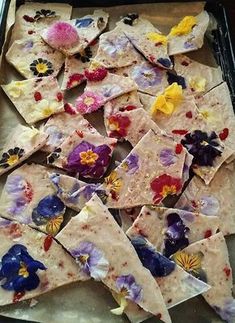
x=222, y=49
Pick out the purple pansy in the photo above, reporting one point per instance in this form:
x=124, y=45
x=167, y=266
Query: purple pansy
x=176, y=235
x=55, y=138
x=146, y=76
x=91, y=260
x=114, y=46
x=167, y=157
x=131, y=164
x=89, y=160
x=227, y=313
x=208, y=205
x=128, y=287
x=20, y=192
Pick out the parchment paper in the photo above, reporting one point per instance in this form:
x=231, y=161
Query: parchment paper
x=90, y=302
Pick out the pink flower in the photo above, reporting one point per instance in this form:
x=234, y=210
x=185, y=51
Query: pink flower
x=96, y=75
x=88, y=102
x=62, y=34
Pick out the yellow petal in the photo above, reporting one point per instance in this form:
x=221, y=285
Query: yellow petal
x=184, y=27
x=197, y=83
x=123, y=304
x=157, y=38
x=174, y=93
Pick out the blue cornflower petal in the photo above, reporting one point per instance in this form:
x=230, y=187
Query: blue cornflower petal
x=157, y=264
x=85, y=22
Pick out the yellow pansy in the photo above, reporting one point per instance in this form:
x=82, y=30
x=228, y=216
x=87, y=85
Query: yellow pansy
x=184, y=27
x=53, y=225
x=169, y=100
x=197, y=83
x=208, y=115
x=157, y=38
x=189, y=262
x=113, y=182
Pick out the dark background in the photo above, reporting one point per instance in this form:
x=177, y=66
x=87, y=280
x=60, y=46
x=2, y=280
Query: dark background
x=230, y=9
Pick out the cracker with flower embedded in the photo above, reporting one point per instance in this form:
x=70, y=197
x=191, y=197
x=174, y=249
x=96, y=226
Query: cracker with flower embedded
x=216, y=110
x=130, y=125
x=32, y=263
x=84, y=153
x=32, y=57
x=56, y=130
x=73, y=36
x=170, y=230
x=215, y=199
x=149, y=78
x=115, y=50
x=147, y=39
x=31, y=18
x=21, y=143
x=208, y=260
x=29, y=198
x=104, y=253
x=75, y=66
x=36, y=98
x=73, y=192
x=188, y=34
x=102, y=87
x=144, y=177
x=199, y=78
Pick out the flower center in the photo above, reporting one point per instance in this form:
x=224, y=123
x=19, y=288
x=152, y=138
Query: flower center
x=41, y=68
x=12, y=159
x=89, y=100
x=148, y=74
x=83, y=259
x=47, y=111
x=88, y=157
x=124, y=292
x=114, y=125
x=166, y=190
x=54, y=224
x=23, y=270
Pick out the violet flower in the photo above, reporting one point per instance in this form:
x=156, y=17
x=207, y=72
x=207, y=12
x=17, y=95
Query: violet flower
x=167, y=157
x=89, y=160
x=146, y=76
x=131, y=164
x=128, y=287
x=91, y=260
x=227, y=313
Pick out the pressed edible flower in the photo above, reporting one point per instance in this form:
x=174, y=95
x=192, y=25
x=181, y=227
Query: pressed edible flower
x=157, y=38
x=11, y=157
x=88, y=102
x=184, y=27
x=164, y=185
x=62, y=34
x=118, y=125
x=197, y=84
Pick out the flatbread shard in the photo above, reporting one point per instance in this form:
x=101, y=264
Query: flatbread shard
x=21, y=143
x=216, y=109
x=97, y=232
x=199, y=78
x=87, y=28
x=27, y=55
x=31, y=18
x=149, y=78
x=75, y=66
x=148, y=40
x=219, y=276
x=188, y=35
x=36, y=98
x=62, y=125
x=215, y=199
x=115, y=50
x=170, y=230
x=32, y=263
x=147, y=175
x=73, y=192
x=29, y=198
x=84, y=153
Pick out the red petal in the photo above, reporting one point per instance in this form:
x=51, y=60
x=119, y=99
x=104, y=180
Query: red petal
x=224, y=134
x=47, y=242
x=189, y=114
x=178, y=149
x=207, y=234
x=59, y=96
x=179, y=132
x=37, y=96
x=18, y=296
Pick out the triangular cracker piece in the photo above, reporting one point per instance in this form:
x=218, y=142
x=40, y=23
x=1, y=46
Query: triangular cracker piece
x=198, y=77
x=21, y=143
x=170, y=230
x=33, y=17
x=217, y=198
x=151, y=171
x=32, y=263
x=62, y=125
x=75, y=66
x=29, y=197
x=116, y=263
x=26, y=54
x=149, y=79
x=85, y=153
x=73, y=192
x=188, y=35
x=208, y=260
x=73, y=36
x=115, y=50
x=36, y=98
x=147, y=39
x=216, y=109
